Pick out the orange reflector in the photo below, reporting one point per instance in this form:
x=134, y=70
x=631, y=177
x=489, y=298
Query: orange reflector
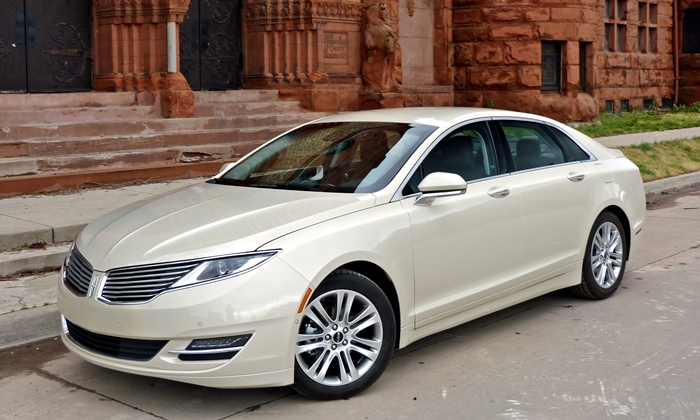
x=302, y=305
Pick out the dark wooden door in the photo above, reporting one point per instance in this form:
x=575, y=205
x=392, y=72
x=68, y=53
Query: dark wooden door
x=58, y=45
x=210, y=45
x=13, y=51
x=45, y=46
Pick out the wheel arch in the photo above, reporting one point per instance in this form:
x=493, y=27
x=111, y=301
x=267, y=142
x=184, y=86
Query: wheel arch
x=377, y=275
x=620, y=214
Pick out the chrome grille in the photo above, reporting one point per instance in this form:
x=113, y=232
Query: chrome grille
x=143, y=283
x=78, y=272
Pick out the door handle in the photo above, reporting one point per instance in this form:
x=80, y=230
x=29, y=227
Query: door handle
x=575, y=176
x=498, y=192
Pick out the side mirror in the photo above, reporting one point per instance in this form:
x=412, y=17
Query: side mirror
x=226, y=166
x=440, y=184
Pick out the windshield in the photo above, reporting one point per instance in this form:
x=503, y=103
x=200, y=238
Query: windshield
x=349, y=157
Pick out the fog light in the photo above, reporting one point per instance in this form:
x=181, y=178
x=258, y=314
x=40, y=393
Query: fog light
x=219, y=343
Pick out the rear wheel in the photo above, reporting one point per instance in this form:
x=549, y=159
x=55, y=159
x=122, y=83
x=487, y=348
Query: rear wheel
x=605, y=259
x=345, y=339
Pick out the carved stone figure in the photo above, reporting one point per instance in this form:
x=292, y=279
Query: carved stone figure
x=380, y=47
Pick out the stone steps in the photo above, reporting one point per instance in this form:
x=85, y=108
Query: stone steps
x=44, y=149
x=14, y=117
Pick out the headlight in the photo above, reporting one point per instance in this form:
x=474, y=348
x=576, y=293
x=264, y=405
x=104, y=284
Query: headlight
x=223, y=267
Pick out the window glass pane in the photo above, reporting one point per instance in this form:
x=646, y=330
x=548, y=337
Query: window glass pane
x=640, y=11
x=583, y=65
x=551, y=65
x=691, y=29
x=622, y=9
x=608, y=9
x=468, y=152
x=653, y=13
x=621, y=38
x=531, y=146
x=609, y=36
x=641, y=40
x=652, y=40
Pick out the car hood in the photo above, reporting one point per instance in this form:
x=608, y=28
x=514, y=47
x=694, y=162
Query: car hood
x=206, y=220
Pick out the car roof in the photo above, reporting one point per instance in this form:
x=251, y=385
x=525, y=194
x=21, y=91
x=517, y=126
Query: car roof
x=435, y=116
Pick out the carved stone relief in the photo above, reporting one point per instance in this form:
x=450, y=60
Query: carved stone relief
x=380, y=50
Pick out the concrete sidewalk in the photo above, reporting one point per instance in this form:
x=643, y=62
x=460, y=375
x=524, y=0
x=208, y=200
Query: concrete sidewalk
x=35, y=233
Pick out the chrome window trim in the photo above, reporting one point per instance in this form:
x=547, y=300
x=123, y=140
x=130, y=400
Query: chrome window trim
x=398, y=195
x=539, y=168
x=275, y=252
x=591, y=156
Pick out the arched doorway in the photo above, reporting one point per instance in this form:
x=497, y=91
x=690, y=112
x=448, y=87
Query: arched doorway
x=45, y=46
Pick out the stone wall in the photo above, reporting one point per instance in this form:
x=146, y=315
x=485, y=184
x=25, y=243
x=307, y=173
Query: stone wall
x=631, y=75
x=416, y=25
x=498, y=56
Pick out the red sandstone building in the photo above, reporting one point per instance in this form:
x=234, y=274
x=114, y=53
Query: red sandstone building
x=565, y=59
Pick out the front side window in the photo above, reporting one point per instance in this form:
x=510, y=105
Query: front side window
x=467, y=151
x=349, y=157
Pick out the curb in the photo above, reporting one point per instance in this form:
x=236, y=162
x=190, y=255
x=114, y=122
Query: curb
x=22, y=327
x=673, y=183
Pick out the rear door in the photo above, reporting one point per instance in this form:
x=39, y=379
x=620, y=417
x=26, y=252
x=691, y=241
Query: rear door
x=556, y=182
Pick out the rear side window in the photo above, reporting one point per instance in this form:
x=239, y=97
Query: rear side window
x=531, y=146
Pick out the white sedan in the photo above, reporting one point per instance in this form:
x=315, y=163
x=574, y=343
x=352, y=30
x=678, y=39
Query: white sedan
x=308, y=261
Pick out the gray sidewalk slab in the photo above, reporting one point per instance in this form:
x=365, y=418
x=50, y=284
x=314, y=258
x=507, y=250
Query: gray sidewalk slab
x=60, y=217
x=649, y=137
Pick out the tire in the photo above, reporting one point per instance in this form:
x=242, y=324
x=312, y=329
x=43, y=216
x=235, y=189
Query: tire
x=341, y=349
x=605, y=259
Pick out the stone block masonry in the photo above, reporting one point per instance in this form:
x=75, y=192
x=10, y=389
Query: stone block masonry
x=564, y=59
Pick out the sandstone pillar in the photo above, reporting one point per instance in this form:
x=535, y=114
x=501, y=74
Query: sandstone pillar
x=307, y=49
x=131, y=51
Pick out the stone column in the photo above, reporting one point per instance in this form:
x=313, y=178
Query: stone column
x=131, y=51
x=307, y=49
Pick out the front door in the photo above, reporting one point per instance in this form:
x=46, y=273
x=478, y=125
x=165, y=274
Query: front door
x=210, y=45
x=465, y=247
x=45, y=46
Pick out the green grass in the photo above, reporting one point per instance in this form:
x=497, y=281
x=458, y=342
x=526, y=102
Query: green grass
x=683, y=116
x=665, y=159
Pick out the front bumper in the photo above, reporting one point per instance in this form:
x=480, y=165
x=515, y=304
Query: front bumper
x=262, y=302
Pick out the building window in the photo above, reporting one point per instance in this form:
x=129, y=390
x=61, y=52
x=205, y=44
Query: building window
x=691, y=29
x=551, y=65
x=624, y=105
x=648, y=17
x=585, y=53
x=666, y=103
x=648, y=104
x=616, y=25
x=609, y=106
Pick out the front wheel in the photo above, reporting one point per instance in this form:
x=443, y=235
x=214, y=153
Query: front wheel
x=605, y=259
x=345, y=338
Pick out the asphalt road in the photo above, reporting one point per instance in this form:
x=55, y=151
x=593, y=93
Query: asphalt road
x=636, y=354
